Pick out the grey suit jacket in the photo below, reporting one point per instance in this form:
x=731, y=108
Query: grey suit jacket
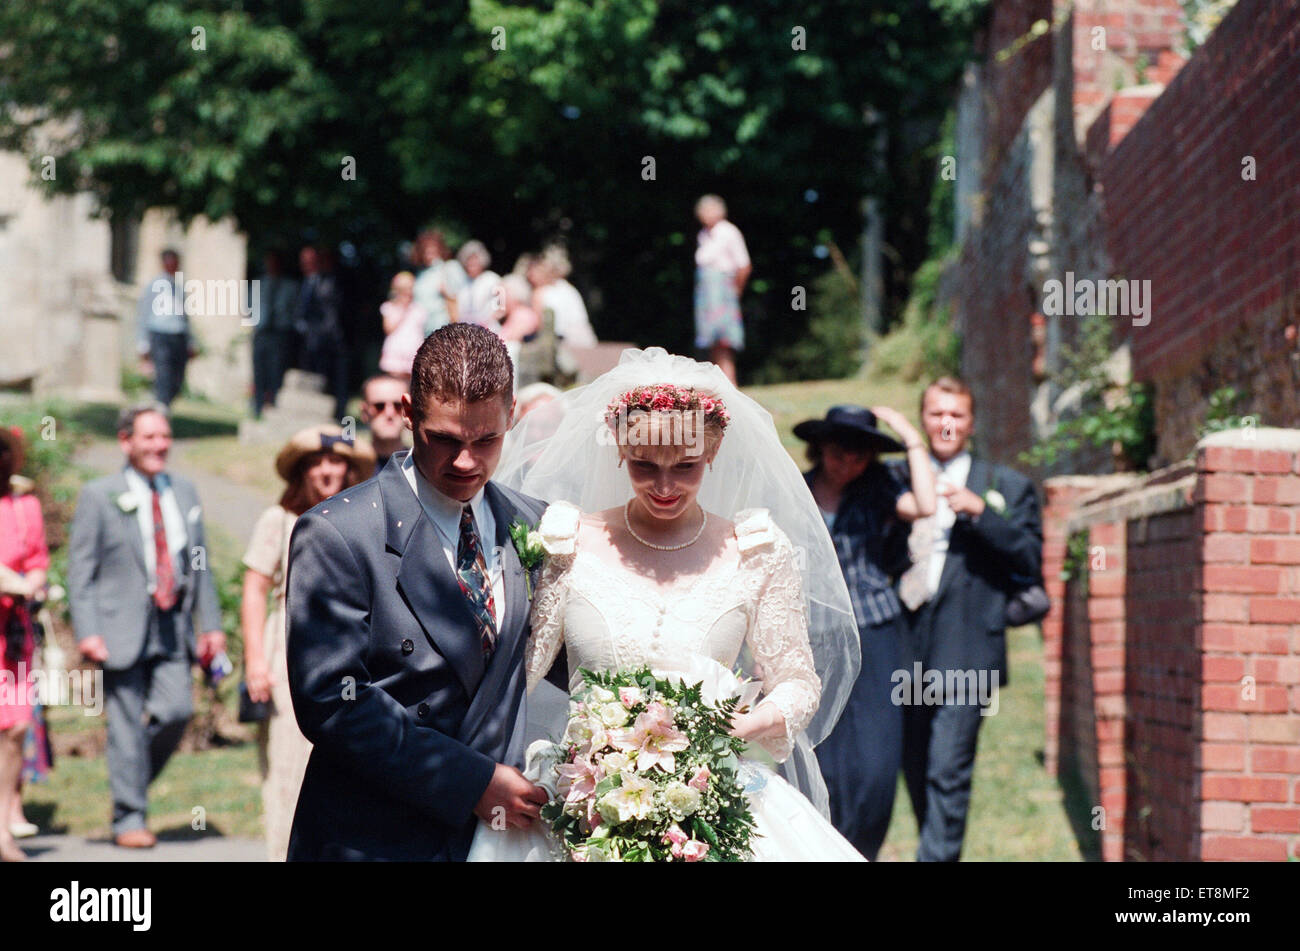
x=388, y=678
x=108, y=585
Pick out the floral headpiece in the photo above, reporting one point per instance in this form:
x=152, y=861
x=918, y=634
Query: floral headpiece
x=666, y=397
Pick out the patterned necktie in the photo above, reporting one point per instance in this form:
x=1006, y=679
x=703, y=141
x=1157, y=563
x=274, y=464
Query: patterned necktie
x=471, y=571
x=164, y=592
x=914, y=583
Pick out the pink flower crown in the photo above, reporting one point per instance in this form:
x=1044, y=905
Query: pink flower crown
x=665, y=397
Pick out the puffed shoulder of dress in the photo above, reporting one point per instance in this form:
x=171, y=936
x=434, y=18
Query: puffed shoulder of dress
x=756, y=530
x=559, y=528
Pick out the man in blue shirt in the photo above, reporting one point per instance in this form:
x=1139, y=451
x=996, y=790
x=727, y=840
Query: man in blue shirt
x=164, y=337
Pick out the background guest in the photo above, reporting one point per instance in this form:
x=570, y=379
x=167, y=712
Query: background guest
x=165, y=341
x=316, y=463
x=135, y=590
x=967, y=558
x=24, y=560
x=277, y=296
x=861, y=499
x=440, y=283
x=552, y=290
x=381, y=410
x=722, y=267
x=481, y=300
x=404, y=322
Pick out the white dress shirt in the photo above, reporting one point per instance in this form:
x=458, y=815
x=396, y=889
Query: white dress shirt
x=173, y=523
x=444, y=512
x=954, y=472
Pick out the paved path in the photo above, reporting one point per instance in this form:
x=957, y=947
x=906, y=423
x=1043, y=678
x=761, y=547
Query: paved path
x=67, y=848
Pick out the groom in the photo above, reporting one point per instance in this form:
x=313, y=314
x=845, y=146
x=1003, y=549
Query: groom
x=408, y=616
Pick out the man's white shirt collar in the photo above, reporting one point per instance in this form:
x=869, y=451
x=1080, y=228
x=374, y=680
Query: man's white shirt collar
x=445, y=511
x=955, y=471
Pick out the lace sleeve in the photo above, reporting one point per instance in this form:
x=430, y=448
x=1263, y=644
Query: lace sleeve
x=778, y=635
x=559, y=531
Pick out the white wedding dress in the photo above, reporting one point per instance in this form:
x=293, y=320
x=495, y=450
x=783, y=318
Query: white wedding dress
x=609, y=618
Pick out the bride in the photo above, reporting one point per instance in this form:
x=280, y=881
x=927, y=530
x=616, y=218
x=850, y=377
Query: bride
x=681, y=536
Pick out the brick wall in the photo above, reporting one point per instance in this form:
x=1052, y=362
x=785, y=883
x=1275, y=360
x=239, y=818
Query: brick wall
x=1173, y=671
x=1222, y=253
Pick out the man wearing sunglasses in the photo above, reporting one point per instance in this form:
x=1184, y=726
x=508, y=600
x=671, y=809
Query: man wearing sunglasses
x=381, y=410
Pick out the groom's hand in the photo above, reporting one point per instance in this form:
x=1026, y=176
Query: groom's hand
x=511, y=799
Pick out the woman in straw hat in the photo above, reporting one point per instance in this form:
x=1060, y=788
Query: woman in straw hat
x=24, y=559
x=867, y=508
x=315, y=464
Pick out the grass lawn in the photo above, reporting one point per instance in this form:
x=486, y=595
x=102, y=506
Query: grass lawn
x=1017, y=812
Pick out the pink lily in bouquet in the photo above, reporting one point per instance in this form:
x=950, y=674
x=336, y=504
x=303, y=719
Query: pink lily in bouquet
x=654, y=739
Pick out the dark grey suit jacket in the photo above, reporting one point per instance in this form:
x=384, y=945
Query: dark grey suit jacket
x=108, y=584
x=387, y=675
x=963, y=626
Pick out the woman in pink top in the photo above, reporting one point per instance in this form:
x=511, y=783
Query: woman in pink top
x=721, y=269
x=404, y=321
x=24, y=560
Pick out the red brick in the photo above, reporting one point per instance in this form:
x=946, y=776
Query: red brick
x=1223, y=816
x=1270, y=520
x=1244, y=788
x=1223, y=726
x=1274, y=610
x=1106, y=632
x=1107, y=584
x=1276, y=670
x=1224, y=697
x=1219, y=669
x=1105, y=609
x=1275, y=461
x=1274, y=551
x=1106, y=534
x=1225, y=488
x=1232, y=848
x=1226, y=607
x=1225, y=518
x=1273, y=728
x=1223, y=547
x=1104, y=658
x=1223, y=756
x=1275, y=820
x=1274, y=759
x=1277, y=490
x=1242, y=579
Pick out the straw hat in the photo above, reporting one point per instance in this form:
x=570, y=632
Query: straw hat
x=327, y=438
x=12, y=436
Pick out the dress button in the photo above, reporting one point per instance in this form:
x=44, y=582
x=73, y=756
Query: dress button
x=422, y=711
x=408, y=646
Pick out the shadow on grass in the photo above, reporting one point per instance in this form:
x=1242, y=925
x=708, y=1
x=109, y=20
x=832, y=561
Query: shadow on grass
x=41, y=814
x=100, y=419
x=1078, y=809
x=184, y=833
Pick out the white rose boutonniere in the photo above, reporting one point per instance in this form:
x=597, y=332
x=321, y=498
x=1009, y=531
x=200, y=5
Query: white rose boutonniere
x=127, y=502
x=994, y=500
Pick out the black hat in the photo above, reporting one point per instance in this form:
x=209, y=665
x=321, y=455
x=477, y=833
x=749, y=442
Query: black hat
x=849, y=426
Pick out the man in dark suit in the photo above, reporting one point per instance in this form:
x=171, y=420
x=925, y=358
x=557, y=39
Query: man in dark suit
x=408, y=618
x=137, y=578
x=984, y=541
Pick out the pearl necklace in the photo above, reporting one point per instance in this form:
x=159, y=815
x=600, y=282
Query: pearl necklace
x=704, y=520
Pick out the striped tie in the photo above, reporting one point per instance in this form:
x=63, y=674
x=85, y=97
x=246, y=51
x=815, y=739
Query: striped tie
x=471, y=571
x=164, y=592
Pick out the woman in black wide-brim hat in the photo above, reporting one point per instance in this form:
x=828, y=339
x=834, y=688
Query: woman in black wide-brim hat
x=864, y=502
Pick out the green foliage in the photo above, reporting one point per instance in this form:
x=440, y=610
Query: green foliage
x=528, y=122
x=924, y=345
x=1222, y=413
x=831, y=349
x=1112, y=415
x=1076, y=559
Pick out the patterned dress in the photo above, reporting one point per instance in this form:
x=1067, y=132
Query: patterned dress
x=720, y=255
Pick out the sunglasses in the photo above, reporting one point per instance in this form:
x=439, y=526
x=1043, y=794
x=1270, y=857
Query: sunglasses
x=383, y=405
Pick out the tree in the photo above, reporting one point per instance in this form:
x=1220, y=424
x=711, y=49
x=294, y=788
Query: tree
x=518, y=123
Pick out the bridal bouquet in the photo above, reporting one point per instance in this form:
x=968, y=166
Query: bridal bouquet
x=648, y=773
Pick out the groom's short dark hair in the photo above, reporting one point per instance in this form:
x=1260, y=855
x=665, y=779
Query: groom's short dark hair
x=465, y=363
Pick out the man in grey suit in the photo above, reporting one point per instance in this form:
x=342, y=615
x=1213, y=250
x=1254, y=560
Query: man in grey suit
x=137, y=576
x=408, y=618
